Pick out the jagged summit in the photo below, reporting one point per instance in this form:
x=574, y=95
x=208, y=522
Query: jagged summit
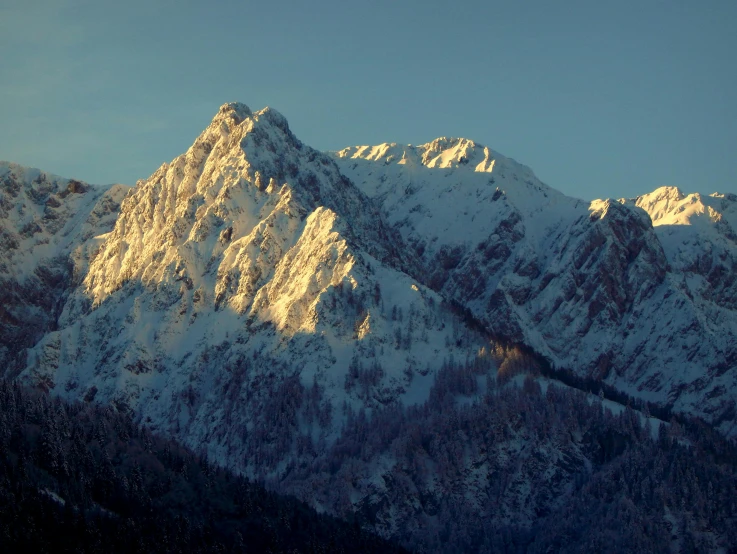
x=257, y=146
x=449, y=190
x=239, y=108
x=445, y=152
x=443, y=143
x=670, y=206
x=245, y=174
x=441, y=153
x=666, y=191
x=236, y=111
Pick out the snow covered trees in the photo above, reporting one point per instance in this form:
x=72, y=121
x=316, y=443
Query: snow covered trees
x=84, y=478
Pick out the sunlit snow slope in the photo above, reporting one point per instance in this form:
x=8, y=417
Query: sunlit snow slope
x=247, y=296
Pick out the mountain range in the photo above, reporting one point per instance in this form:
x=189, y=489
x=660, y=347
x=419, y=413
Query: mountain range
x=270, y=305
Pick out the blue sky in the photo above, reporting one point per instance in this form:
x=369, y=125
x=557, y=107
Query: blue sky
x=599, y=98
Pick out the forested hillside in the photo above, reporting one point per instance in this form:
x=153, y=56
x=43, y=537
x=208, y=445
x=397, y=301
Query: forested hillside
x=498, y=462
x=83, y=478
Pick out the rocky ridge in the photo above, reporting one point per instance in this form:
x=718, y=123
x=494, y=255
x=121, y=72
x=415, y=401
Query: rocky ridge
x=637, y=293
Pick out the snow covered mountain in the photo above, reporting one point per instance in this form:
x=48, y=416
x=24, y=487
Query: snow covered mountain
x=247, y=296
x=48, y=225
x=592, y=286
x=698, y=234
x=294, y=315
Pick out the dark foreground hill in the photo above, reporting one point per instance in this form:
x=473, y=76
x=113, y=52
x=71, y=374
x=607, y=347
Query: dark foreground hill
x=84, y=478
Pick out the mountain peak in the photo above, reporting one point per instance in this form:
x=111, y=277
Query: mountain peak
x=443, y=143
x=449, y=152
x=670, y=206
x=441, y=153
x=666, y=192
x=234, y=110
x=237, y=112
x=274, y=117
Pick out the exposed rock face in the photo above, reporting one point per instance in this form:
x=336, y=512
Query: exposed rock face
x=243, y=176
x=594, y=287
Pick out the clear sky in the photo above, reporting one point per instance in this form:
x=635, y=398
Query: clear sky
x=599, y=98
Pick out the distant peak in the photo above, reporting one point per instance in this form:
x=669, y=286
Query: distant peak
x=441, y=153
x=443, y=143
x=448, y=152
x=725, y=195
x=667, y=192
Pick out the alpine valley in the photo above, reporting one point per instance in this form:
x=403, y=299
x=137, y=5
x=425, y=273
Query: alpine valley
x=425, y=340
